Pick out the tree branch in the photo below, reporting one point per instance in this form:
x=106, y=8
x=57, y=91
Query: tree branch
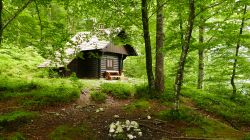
x=40, y=20
x=16, y=14
x=208, y=7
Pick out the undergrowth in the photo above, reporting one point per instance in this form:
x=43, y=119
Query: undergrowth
x=118, y=90
x=98, y=96
x=235, y=111
x=66, y=132
x=139, y=104
x=16, y=117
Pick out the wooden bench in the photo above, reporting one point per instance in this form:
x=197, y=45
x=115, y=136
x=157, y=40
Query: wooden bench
x=112, y=74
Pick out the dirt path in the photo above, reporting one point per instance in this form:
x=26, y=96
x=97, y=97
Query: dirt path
x=83, y=111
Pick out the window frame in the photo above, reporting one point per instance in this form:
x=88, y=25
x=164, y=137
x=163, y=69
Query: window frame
x=110, y=63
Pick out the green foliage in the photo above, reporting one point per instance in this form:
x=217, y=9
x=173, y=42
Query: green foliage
x=184, y=114
x=247, y=137
x=39, y=92
x=16, y=117
x=139, y=104
x=98, y=96
x=66, y=132
x=17, y=136
x=118, y=90
x=142, y=91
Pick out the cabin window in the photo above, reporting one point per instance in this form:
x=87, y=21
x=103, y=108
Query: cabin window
x=110, y=63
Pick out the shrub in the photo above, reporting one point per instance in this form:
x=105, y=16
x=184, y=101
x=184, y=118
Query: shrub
x=118, y=90
x=142, y=91
x=247, y=137
x=140, y=104
x=183, y=114
x=98, y=96
x=16, y=85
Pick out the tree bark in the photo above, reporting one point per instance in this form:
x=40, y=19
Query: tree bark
x=159, y=68
x=236, y=54
x=201, y=53
x=146, y=34
x=1, y=21
x=184, y=53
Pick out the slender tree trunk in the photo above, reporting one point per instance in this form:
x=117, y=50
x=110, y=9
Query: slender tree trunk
x=159, y=68
x=1, y=22
x=184, y=53
x=150, y=75
x=201, y=53
x=236, y=54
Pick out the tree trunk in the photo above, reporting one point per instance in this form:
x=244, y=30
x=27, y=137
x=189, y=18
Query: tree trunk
x=159, y=68
x=236, y=54
x=184, y=52
x=201, y=53
x=150, y=75
x=1, y=22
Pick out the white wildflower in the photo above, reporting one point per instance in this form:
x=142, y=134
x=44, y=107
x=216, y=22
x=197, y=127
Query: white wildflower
x=117, y=123
x=111, y=130
x=149, y=117
x=127, y=122
x=116, y=116
x=137, y=130
x=119, y=129
x=134, y=124
x=101, y=109
x=140, y=134
x=130, y=136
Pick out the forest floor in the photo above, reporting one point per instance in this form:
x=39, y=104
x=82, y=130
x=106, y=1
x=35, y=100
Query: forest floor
x=80, y=120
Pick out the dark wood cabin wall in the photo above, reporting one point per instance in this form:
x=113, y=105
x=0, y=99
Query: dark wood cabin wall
x=87, y=68
x=103, y=63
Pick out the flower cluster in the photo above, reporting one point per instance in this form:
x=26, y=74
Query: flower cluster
x=129, y=128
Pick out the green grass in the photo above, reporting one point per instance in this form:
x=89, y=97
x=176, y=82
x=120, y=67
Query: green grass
x=66, y=132
x=98, y=96
x=118, y=90
x=139, y=104
x=198, y=125
x=16, y=117
x=236, y=111
x=39, y=92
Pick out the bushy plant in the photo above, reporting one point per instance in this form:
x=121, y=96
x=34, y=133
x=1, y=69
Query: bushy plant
x=139, y=104
x=142, y=91
x=98, y=96
x=118, y=90
x=183, y=114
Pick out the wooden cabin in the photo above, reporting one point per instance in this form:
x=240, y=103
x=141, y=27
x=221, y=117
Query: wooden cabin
x=94, y=58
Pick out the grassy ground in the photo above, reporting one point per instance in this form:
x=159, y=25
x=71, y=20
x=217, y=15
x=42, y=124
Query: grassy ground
x=36, y=104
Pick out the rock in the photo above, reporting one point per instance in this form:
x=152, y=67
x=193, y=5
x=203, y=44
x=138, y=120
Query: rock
x=116, y=116
x=140, y=134
x=149, y=117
